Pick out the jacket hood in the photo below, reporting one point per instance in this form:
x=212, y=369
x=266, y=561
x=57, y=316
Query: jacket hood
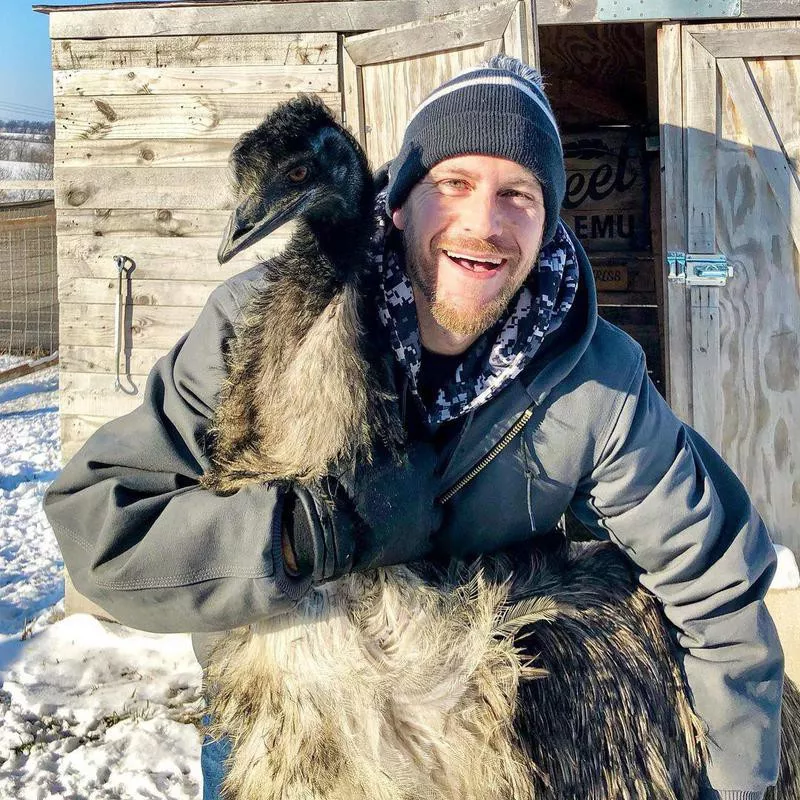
x=561, y=350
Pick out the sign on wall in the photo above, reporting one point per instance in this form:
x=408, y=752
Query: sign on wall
x=606, y=201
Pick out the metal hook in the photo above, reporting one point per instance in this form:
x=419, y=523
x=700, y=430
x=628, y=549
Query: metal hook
x=124, y=265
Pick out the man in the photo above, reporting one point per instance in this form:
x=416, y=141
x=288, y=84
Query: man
x=490, y=308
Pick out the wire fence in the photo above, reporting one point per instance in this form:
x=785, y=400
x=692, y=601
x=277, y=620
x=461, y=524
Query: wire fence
x=28, y=280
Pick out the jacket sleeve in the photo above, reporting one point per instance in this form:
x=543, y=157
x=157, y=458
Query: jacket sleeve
x=140, y=537
x=662, y=493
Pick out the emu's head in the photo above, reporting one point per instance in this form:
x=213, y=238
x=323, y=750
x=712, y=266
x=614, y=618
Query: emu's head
x=299, y=162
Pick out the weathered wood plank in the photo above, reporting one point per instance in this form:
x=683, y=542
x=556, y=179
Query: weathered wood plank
x=766, y=144
x=75, y=430
x=33, y=185
x=760, y=308
x=179, y=116
x=706, y=363
x=97, y=359
x=194, y=51
x=269, y=18
x=205, y=188
x=515, y=41
x=394, y=89
x=750, y=43
x=247, y=79
x=140, y=222
x=246, y=18
x=425, y=36
x=28, y=368
x=673, y=203
x=142, y=153
x=84, y=394
x=768, y=8
x=352, y=94
x=700, y=97
x=158, y=258
x=143, y=292
x=153, y=327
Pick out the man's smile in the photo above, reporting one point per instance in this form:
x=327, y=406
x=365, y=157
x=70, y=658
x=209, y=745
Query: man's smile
x=477, y=264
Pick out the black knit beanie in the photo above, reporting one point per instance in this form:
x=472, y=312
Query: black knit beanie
x=498, y=108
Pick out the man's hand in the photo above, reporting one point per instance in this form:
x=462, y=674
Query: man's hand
x=289, y=558
x=385, y=514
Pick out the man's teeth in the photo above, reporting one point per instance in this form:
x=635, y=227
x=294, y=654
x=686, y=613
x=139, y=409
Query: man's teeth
x=482, y=260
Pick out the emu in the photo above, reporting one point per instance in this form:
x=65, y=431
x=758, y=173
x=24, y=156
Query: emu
x=408, y=682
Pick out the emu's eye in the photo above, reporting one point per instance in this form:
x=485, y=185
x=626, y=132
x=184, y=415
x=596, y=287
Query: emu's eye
x=298, y=174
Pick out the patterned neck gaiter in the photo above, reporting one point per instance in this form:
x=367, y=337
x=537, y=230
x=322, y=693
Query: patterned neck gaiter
x=499, y=354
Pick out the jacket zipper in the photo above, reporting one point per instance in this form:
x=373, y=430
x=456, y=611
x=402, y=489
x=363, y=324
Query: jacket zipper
x=508, y=436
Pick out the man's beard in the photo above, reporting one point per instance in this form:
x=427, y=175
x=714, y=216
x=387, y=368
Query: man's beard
x=459, y=321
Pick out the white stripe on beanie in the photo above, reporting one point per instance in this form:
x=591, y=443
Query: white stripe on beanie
x=493, y=80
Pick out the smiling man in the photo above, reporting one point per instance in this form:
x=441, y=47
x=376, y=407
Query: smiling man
x=519, y=402
x=472, y=231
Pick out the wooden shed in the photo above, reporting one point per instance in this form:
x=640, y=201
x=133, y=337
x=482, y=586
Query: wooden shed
x=682, y=139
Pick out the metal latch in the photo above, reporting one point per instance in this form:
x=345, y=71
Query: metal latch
x=698, y=269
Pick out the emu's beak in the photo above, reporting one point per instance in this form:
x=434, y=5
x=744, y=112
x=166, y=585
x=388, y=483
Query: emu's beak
x=250, y=222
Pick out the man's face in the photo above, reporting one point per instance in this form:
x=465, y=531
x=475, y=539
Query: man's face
x=472, y=229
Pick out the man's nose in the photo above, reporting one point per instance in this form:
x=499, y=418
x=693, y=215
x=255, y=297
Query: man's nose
x=484, y=216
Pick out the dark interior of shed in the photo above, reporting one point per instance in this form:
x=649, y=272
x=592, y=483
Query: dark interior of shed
x=602, y=83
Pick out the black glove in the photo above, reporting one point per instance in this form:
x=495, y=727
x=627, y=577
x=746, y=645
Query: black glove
x=384, y=514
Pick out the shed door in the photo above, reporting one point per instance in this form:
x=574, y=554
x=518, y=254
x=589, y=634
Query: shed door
x=731, y=156
x=387, y=73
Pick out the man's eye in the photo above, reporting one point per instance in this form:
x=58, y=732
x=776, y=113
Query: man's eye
x=520, y=198
x=454, y=183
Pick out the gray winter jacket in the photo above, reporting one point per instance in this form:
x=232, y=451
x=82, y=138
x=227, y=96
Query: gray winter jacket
x=142, y=540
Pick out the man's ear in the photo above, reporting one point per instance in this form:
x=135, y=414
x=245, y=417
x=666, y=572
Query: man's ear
x=399, y=218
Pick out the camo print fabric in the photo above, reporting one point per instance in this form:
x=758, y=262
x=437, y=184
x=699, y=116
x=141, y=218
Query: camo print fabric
x=502, y=352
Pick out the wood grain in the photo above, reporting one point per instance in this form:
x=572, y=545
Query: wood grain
x=180, y=116
x=75, y=430
x=85, y=394
x=168, y=222
x=759, y=43
x=248, y=79
x=144, y=292
x=245, y=18
x=204, y=188
x=700, y=93
x=153, y=327
x=145, y=153
x=757, y=124
x=549, y=12
x=760, y=314
x=194, y=51
x=167, y=258
x=425, y=36
x=393, y=90
x=673, y=202
x=99, y=359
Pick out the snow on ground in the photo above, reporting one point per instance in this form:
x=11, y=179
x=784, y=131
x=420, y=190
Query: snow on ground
x=88, y=709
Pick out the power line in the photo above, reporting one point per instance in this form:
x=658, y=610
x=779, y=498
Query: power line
x=21, y=108
x=24, y=105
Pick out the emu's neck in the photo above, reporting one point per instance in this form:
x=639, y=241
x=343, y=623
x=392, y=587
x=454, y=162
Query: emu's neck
x=340, y=248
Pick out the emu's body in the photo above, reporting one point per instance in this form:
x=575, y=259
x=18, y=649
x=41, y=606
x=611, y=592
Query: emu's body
x=550, y=676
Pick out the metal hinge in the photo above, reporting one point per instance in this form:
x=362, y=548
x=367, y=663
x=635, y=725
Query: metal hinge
x=698, y=269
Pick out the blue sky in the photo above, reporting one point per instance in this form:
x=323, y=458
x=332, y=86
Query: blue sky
x=25, y=74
